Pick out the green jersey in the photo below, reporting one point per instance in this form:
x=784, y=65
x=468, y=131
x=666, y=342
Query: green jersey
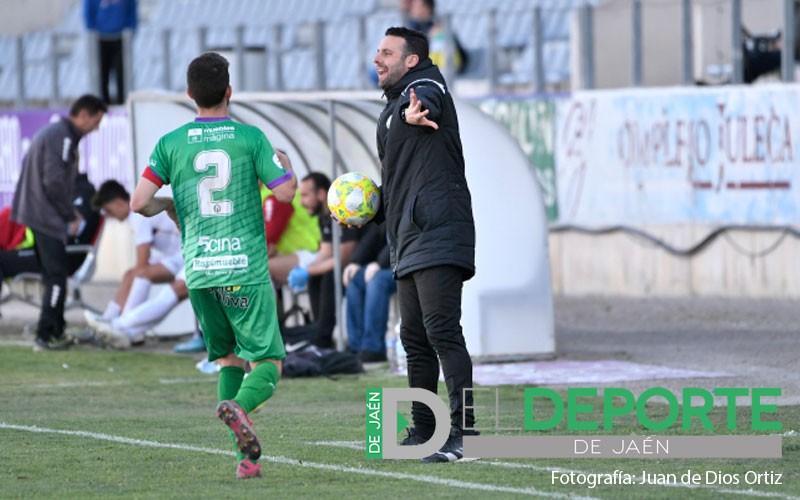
x=213, y=166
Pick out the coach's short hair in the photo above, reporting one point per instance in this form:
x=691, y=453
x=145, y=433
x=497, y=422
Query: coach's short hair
x=416, y=41
x=208, y=79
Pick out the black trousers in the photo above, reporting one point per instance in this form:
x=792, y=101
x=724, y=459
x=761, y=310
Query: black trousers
x=52, y=255
x=111, y=61
x=323, y=307
x=14, y=262
x=430, y=312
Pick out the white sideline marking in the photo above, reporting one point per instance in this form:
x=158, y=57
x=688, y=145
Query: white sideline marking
x=62, y=385
x=16, y=343
x=358, y=445
x=165, y=381
x=353, y=445
x=297, y=463
x=186, y=380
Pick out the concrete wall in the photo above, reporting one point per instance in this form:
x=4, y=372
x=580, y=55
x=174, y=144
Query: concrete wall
x=622, y=264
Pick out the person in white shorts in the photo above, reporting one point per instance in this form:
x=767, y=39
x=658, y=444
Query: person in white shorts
x=158, y=250
x=130, y=327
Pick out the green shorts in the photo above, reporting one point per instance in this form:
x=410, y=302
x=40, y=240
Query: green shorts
x=240, y=320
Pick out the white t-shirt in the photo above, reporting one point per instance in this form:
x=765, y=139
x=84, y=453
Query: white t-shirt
x=159, y=231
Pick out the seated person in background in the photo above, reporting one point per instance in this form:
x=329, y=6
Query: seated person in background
x=149, y=233
x=300, y=240
x=17, y=255
x=370, y=286
x=129, y=328
x=318, y=274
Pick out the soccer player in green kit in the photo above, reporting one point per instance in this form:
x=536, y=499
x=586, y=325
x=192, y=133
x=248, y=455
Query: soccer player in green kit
x=213, y=165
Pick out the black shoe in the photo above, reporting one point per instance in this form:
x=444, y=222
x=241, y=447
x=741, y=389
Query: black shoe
x=372, y=357
x=53, y=344
x=452, y=451
x=324, y=342
x=413, y=438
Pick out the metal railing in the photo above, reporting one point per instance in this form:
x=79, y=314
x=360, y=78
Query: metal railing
x=533, y=76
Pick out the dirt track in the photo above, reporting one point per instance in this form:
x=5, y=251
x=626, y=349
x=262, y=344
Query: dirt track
x=756, y=341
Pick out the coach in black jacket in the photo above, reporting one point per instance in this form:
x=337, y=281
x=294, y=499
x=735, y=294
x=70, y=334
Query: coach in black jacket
x=428, y=212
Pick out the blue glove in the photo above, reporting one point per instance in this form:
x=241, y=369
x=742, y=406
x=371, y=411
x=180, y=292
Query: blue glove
x=298, y=277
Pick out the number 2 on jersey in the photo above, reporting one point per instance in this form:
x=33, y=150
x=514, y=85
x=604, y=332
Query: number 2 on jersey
x=221, y=163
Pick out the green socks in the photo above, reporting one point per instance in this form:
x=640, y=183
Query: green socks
x=257, y=387
x=230, y=380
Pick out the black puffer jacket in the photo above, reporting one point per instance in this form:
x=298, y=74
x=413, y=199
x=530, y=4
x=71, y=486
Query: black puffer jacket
x=426, y=201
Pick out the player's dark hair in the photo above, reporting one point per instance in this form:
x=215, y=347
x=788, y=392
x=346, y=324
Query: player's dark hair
x=431, y=4
x=109, y=191
x=320, y=180
x=91, y=103
x=208, y=79
x=416, y=41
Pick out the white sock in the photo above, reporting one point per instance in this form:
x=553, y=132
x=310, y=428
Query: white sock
x=112, y=311
x=140, y=288
x=148, y=313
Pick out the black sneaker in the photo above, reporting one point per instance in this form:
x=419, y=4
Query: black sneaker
x=413, y=438
x=452, y=451
x=54, y=344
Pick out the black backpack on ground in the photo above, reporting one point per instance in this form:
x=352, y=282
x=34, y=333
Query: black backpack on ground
x=313, y=361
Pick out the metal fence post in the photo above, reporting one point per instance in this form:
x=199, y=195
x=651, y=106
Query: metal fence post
x=19, y=46
x=241, y=72
x=319, y=54
x=127, y=64
x=687, y=43
x=363, y=77
x=586, y=21
x=53, y=60
x=736, y=41
x=491, y=26
x=538, y=50
x=337, y=263
x=202, y=35
x=277, y=55
x=166, y=73
x=636, y=43
x=787, y=54
x=93, y=58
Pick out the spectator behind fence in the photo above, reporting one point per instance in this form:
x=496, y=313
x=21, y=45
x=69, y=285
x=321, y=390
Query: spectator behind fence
x=108, y=19
x=43, y=201
x=318, y=274
x=158, y=234
x=422, y=17
x=370, y=286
